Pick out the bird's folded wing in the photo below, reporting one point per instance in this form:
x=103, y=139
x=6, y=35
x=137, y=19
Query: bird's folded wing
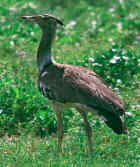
x=88, y=88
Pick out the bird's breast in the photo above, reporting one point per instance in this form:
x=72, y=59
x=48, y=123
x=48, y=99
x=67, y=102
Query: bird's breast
x=45, y=88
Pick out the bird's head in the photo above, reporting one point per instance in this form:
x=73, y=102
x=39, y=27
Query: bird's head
x=44, y=20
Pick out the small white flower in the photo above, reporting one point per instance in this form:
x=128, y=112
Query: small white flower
x=121, y=1
x=32, y=33
x=96, y=64
x=125, y=57
x=103, y=56
x=116, y=89
x=119, y=26
x=32, y=5
x=41, y=118
x=12, y=43
x=118, y=81
x=91, y=60
x=114, y=50
x=93, y=122
x=132, y=16
x=1, y=111
x=93, y=23
x=139, y=140
x=28, y=142
x=21, y=53
x=92, y=13
x=14, y=36
x=116, y=57
x=71, y=24
x=133, y=106
x=113, y=61
x=111, y=9
x=129, y=113
x=110, y=39
x=13, y=9
x=101, y=29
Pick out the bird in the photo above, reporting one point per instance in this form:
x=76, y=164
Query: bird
x=67, y=86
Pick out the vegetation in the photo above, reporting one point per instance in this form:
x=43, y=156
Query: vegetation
x=103, y=36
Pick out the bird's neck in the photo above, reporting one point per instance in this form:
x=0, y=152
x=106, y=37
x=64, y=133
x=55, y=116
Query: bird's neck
x=44, y=55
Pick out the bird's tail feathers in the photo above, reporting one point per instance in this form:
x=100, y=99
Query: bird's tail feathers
x=115, y=122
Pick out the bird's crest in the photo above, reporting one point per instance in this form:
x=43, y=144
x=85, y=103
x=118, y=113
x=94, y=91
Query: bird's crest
x=42, y=16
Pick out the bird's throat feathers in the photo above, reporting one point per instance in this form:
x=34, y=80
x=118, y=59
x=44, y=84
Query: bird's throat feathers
x=44, y=55
x=43, y=61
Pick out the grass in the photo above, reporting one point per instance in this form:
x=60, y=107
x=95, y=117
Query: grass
x=99, y=35
x=34, y=151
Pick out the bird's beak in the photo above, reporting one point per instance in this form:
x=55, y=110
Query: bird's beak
x=60, y=22
x=30, y=18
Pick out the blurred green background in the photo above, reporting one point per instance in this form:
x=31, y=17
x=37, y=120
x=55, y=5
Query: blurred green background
x=99, y=34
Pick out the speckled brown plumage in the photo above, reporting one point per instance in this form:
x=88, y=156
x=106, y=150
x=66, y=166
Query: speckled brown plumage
x=74, y=86
x=79, y=85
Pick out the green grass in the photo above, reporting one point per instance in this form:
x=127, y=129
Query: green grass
x=110, y=150
x=94, y=30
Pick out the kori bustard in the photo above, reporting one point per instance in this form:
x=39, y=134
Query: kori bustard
x=74, y=86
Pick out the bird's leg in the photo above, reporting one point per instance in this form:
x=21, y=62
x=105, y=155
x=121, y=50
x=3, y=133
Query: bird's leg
x=60, y=131
x=88, y=131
